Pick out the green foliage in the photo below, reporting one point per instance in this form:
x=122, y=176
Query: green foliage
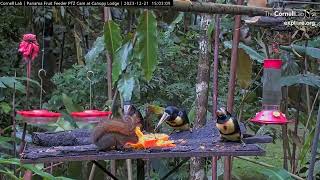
x=244, y=70
x=70, y=106
x=74, y=83
x=310, y=51
x=121, y=60
x=275, y=173
x=112, y=37
x=306, y=147
x=254, y=55
x=173, y=25
x=30, y=167
x=97, y=48
x=5, y=143
x=5, y=107
x=125, y=87
x=174, y=79
x=10, y=82
x=147, y=44
x=308, y=79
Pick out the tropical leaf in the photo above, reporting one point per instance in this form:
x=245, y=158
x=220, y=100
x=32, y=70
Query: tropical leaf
x=70, y=106
x=316, y=168
x=289, y=67
x=121, y=60
x=254, y=55
x=28, y=79
x=275, y=173
x=306, y=147
x=5, y=142
x=69, y=125
x=147, y=43
x=112, y=37
x=2, y=85
x=125, y=87
x=15, y=161
x=173, y=24
x=96, y=50
x=244, y=70
x=310, y=51
x=308, y=79
x=5, y=107
x=9, y=173
x=10, y=81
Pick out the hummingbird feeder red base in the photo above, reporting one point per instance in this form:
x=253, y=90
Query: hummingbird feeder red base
x=40, y=116
x=91, y=116
x=270, y=117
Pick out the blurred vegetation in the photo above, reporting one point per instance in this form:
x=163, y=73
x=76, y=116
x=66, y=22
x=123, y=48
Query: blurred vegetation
x=170, y=79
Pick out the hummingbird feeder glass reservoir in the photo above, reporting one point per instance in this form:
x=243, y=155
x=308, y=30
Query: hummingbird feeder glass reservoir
x=41, y=116
x=271, y=96
x=90, y=116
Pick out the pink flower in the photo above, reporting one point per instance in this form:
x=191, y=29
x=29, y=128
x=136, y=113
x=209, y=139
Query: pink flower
x=29, y=47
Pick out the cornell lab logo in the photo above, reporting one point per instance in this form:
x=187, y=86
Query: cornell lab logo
x=307, y=13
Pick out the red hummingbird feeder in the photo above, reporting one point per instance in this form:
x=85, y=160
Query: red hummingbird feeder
x=41, y=116
x=271, y=97
x=91, y=116
x=29, y=48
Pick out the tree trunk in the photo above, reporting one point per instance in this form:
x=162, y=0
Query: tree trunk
x=197, y=164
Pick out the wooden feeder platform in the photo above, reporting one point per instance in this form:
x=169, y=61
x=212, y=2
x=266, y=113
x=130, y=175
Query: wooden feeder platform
x=76, y=146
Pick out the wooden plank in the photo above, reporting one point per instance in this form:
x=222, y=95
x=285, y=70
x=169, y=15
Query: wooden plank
x=88, y=152
x=202, y=142
x=64, y=138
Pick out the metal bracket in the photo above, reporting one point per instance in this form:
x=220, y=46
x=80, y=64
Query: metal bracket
x=104, y=170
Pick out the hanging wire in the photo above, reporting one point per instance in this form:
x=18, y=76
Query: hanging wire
x=42, y=58
x=90, y=80
x=43, y=31
x=41, y=84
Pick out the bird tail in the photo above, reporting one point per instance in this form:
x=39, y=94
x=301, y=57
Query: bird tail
x=247, y=135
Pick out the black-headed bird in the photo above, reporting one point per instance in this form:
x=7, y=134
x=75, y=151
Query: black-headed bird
x=175, y=118
x=229, y=127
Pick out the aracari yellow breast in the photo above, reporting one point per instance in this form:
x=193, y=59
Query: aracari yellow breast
x=227, y=127
x=177, y=122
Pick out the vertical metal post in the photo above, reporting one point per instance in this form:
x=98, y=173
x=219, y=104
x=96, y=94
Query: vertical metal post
x=214, y=168
x=107, y=17
x=231, y=86
x=14, y=120
x=215, y=86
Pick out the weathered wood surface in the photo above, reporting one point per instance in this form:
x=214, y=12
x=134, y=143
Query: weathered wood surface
x=66, y=138
x=80, y=137
x=217, y=8
x=203, y=142
x=270, y=22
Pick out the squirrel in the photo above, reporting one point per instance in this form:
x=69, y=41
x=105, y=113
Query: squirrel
x=116, y=132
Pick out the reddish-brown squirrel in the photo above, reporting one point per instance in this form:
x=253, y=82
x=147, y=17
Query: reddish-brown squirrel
x=116, y=132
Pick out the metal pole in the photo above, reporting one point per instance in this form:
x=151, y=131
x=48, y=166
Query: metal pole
x=14, y=120
x=231, y=86
x=214, y=168
x=215, y=86
x=104, y=170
